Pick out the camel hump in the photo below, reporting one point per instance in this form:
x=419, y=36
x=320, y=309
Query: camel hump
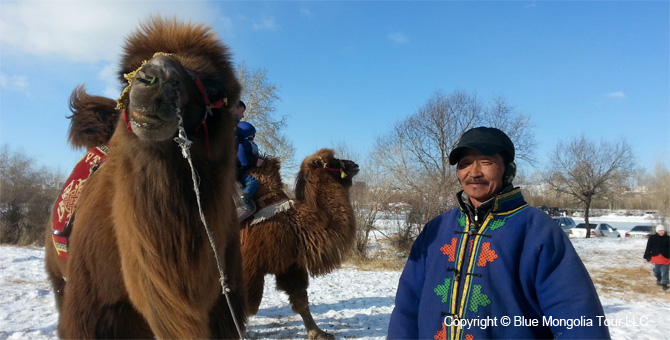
x=268, y=174
x=93, y=119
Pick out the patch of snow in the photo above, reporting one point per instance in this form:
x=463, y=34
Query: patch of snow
x=349, y=303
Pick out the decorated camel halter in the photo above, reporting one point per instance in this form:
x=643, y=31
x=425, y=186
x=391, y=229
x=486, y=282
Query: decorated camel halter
x=125, y=95
x=343, y=175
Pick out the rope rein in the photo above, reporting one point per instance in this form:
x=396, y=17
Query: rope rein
x=185, y=145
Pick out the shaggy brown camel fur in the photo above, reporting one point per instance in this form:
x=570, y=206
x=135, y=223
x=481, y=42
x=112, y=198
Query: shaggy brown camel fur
x=308, y=236
x=140, y=264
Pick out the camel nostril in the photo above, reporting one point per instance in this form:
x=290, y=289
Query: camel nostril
x=164, y=68
x=146, y=79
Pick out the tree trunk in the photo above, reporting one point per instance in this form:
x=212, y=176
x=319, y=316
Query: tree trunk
x=586, y=216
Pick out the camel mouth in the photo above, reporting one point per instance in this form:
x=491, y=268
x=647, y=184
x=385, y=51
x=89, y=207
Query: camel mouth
x=152, y=126
x=353, y=171
x=350, y=167
x=148, y=121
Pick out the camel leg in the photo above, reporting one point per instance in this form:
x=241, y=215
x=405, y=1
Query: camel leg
x=221, y=318
x=221, y=321
x=58, y=286
x=255, y=284
x=87, y=313
x=121, y=321
x=295, y=282
x=55, y=276
x=84, y=318
x=54, y=269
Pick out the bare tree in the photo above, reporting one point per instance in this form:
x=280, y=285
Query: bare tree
x=416, y=151
x=659, y=192
x=583, y=169
x=371, y=191
x=26, y=195
x=499, y=114
x=260, y=96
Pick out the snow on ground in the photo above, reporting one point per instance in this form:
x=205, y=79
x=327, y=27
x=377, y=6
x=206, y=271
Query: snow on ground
x=356, y=304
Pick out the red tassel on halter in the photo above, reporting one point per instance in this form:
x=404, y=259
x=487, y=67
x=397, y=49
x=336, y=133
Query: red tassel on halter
x=125, y=119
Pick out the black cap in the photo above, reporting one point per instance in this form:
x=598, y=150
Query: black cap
x=485, y=140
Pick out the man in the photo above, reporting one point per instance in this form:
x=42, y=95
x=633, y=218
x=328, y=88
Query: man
x=658, y=253
x=494, y=268
x=238, y=110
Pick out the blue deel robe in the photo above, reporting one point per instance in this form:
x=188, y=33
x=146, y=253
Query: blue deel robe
x=518, y=277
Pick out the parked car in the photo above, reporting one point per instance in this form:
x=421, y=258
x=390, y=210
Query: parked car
x=551, y=211
x=641, y=231
x=566, y=223
x=597, y=230
x=650, y=215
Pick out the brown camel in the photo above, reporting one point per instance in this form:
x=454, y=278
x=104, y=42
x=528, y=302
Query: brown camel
x=295, y=239
x=139, y=260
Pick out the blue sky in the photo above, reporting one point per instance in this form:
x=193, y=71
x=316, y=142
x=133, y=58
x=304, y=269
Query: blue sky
x=348, y=71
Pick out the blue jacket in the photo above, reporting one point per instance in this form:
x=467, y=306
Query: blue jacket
x=247, y=151
x=247, y=154
x=517, y=278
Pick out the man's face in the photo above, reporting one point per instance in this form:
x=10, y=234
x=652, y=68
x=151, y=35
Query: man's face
x=661, y=232
x=239, y=111
x=481, y=176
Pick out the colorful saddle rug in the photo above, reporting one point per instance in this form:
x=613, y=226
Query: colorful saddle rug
x=266, y=207
x=63, y=215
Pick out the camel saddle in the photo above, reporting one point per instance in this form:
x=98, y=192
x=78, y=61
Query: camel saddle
x=63, y=214
x=266, y=206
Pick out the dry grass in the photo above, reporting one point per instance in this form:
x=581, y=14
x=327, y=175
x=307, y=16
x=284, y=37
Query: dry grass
x=632, y=284
x=380, y=260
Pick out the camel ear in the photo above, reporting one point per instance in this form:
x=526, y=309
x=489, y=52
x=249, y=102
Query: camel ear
x=319, y=163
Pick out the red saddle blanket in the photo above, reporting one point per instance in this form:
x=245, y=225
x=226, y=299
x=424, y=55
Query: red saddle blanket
x=63, y=212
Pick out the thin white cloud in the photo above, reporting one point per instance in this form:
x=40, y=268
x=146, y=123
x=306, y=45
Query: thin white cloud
x=399, y=38
x=85, y=31
x=109, y=77
x=16, y=83
x=225, y=25
x=306, y=12
x=265, y=24
x=616, y=95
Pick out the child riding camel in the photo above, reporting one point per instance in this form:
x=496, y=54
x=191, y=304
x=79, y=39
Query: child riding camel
x=247, y=157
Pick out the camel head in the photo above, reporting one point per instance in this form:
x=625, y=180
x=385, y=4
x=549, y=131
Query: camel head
x=174, y=70
x=323, y=165
x=158, y=93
